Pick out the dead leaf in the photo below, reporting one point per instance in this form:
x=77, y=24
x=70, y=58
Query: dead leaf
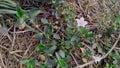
x=84, y=60
x=0, y=25
x=22, y=26
x=37, y=26
x=42, y=57
x=83, y=51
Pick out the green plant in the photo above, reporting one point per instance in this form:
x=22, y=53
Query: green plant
x=30, y=64
x=62, y=34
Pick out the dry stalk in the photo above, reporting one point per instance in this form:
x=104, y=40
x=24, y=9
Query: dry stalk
x=104, y=56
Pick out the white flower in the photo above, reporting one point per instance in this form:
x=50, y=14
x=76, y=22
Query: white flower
x=97, y=58
x=81, y=22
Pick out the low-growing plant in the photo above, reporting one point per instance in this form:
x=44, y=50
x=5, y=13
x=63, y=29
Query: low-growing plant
x=59, y=39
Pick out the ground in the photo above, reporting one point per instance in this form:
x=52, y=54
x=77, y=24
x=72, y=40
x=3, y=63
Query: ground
x=45, y=34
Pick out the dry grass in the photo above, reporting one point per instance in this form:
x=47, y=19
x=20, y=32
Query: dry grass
x=96, y=12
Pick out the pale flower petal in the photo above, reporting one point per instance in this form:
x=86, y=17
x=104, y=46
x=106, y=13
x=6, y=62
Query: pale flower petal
x=81, y=22
x=78, y=20
x=82, y=19
x=86, y=22
x=97, y=58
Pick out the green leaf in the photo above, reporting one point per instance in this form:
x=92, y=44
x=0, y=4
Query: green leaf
x=7, y=11
x=62, y=63
x=83, y=31
x=114, y=1
x=50, y=62
x=67, y=58
x=47, y=34
x=20, y=12
x=39, y=36
x=79, y=44
x=88, y=53
x=51, y=49
x=58, y=56
x=30, y=64
x=19, y=22
x=24, y=61
x=62, y=53
x=38, y=0
x=8, y=2
x=110, y=31
x=56, y=36
x=4, y=6
x=44, y=21
x=74, y=38
x=53, y=42
x=90, y=35
x=33, y=13
x=118, y=24
x=45, y=66
x=115, y=61
x=112, y=66
x=68, y=44
x=40, y=47
x=7, y=5
x=114, y=56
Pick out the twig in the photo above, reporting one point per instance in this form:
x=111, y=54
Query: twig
x=117, y=48
x=111, y=48
x=1, y=38
x=27, y=50
x=17, y=51
x=80, y=5
x=91, y=49
x=2, y=60
x=9, y=51
x=86, y=64
x=32, y=28
x=17, y=55
x=10, y=28
x=9, y=38
x=74, y=59
x=3, y=47
x=104, y=56
x=21, y=31
x=115, y=4
x=31, y=54
x=16, y=58
x=13, y=42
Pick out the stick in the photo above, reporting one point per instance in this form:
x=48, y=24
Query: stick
x=104, y=56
